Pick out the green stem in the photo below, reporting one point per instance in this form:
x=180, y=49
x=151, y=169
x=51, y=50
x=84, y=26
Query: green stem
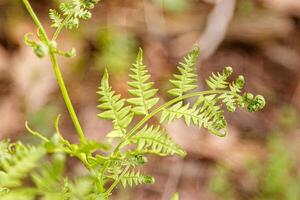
x=58, y=74
x=159, y=109
x=115, y=183
x=35, y=19
x=66, y=97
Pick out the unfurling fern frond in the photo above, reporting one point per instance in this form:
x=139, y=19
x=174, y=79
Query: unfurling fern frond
x=186, y=80
x=72, y=11
x=156, y=141
x=144, y=94
x=135, y=178
x=113, y=108
x=18, y=164
x=232, y=99
x=219, y=80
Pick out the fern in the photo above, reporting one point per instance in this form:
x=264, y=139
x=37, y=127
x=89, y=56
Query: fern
x=134, y=178
x=114, y=108
x=156, y=141
x=141, y=89
x=72, y=11
x=186, y=80
x=18, y=164
x=56, y=18
x=135, y=139
x=207, y=115
x=219, y=80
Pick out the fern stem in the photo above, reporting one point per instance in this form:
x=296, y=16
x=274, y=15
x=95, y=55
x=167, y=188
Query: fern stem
x=58, y=74
x=115, y=183
x=159, y=109
x=66, y=97
x=35, y=19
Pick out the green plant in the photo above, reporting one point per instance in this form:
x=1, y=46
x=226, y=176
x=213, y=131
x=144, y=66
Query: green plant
x=109, y=166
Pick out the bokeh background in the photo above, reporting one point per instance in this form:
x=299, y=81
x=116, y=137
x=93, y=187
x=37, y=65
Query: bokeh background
x=258, y=160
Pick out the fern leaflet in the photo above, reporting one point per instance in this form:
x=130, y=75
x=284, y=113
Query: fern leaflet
x=219, y=80
x=113, y=108
x=134, y=178
x=186, y=80
x=141, y=89
x=156, y=141
x=17, y=166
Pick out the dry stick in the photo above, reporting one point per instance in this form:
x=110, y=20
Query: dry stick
x=216, y=27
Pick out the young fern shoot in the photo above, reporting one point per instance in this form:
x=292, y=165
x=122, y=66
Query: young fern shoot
x=106, y=166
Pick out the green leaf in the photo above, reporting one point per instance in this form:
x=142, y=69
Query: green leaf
x=186, y=80
x=154, y=140
x=55, y=18
x=205, y=113
x=17, y=165
x=135, y=178
x=142, y=90
x=72, y=12
x=113, y=108
x=219, y=80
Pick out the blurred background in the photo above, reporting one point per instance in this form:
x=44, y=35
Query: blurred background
x=258, y=160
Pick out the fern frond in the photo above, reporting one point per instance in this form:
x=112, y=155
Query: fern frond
x=113, y=108
x=48, y=179
x=141, y=89
x=55, y=18
x=17, y=166
x=205, y=113
x=186, y=80
x=72, y=11
x=232, y=99
x=24, y=193
x=154, y=140
x=135, y=178
x=219, y=80
x=4, y=149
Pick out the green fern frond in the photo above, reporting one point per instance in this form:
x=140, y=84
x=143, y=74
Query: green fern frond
x=205, y=113
x=113, y=108
x=141, y=89
x=55, y=18
x=186, y=80
x=48, y=179
x=253, y=103
x=24, y=193
x=135, y=178
x=4, y=149
x=154, y=140
x=72, y=11
x=232, y=99
x=17, y=166
x=219, y=80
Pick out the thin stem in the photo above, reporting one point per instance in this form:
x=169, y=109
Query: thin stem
x=115, y=183
x=66, y=97
x=35, y=19
x=58, y=74
x=156, y=111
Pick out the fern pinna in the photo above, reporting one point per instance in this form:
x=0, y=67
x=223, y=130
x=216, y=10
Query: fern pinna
x=26, y=173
